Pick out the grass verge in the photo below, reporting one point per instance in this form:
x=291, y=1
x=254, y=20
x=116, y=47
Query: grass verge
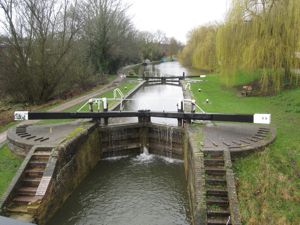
x=9, y=164
x=268, y=182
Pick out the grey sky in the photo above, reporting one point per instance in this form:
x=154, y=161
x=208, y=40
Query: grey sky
x=176, y=17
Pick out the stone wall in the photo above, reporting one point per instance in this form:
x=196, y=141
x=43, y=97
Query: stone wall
x=69, y=164
x=195, y=174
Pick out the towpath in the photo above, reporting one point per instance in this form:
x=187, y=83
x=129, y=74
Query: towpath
x=69, y=104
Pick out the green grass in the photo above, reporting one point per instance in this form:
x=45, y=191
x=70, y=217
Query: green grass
x=9, y=164
x=125, y=87
x=8, y=125
x=268, y=182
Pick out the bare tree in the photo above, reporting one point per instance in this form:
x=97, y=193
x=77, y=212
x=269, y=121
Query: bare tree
x=110, y=35
x=40, y=34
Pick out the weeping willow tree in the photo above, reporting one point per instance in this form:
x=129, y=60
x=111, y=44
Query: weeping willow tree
x=261, y=36
x=200, y=51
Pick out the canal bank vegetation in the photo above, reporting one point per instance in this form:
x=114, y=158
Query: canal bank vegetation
x=268, y=181
x=50, y=48
x=257, y=37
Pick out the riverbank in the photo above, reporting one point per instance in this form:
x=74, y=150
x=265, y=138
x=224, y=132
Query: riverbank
x=267, y=182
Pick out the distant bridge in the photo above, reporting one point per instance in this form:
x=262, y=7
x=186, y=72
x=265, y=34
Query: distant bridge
x=162, y=79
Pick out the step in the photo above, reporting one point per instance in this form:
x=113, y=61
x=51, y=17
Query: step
x=226, y=143
x=36, y=172
x=24, y=217
x=217, y=202
x=218, y=213
x=37, y=164
x=217, y=192
x=260, y=135
x=43, y=152
x=217, y=198
x=215, y=181
x=214, y=154
x=31, y=137
x=31, y=182
x=251, y=139
x=20, y=199
x=237, y=143
x=257, y=138
x=216, y=221
x=264, y=129
x=215, y=176
x=17, y=209
x=215, y=171
x=27, y=190
x=246, y=142
x=40, y=157
x=213, y=162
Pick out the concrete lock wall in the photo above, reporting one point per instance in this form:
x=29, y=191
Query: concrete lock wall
x=195, y=175
x=69, y=164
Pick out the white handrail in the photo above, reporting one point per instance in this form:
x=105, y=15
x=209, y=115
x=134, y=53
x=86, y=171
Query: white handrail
x=193, y=101
x=118, y=91
x=228, y=221
x=91, y=99
x=188, y=85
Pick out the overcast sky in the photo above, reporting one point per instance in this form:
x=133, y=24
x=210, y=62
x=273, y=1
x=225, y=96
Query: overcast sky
x=176, y=17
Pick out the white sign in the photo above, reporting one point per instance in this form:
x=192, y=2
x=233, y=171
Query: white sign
x=21, y=115
x=202, y=76
x=262, y=118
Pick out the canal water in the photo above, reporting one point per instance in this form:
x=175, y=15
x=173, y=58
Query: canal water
x=145, y=189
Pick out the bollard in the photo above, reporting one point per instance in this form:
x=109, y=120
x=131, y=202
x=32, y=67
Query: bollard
x=91, y=105
x=105, y=109
x=144, y=118
x=99, y=105
x=183, y=74
x=193, y=102
x=180, y=109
